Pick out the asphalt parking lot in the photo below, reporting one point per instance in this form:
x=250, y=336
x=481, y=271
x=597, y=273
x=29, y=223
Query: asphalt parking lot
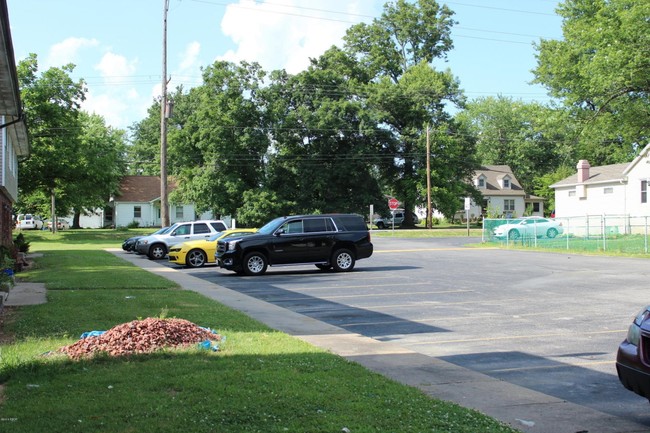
x=549, y=322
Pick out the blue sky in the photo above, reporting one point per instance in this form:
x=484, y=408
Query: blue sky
x=117, y=45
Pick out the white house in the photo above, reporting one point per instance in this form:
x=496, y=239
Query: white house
x=13, y=130
x=617, y=189
x=502, y=194
x=139, y=201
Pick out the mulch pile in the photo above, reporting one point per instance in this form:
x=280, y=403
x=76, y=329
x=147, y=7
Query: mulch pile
x=141, y=336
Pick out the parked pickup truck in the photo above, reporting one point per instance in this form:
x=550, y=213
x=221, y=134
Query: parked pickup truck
x=384, y=222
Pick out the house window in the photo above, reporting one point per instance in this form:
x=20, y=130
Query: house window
x=508, y=205
x=481, y=182
x=535, y=207
x=644, y=191
x=506, y=183
x=608, y=190
x=137, y=212
x=572, y=193
x=179, y=212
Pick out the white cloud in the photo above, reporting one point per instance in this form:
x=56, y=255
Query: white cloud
x=67, y=51
x=189, y=58
x=114, y=66
x=112, y=108
x=286, y=36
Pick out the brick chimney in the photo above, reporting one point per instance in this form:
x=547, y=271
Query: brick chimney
x=583, y=170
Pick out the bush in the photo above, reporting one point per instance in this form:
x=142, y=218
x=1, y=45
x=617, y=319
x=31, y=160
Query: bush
x=22, y=246
x=133, y=225
x=7, y=263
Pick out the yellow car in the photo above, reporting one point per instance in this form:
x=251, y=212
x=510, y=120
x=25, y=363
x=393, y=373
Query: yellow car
x=195, y=254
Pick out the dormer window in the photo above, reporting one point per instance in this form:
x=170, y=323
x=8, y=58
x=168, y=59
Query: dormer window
x=506, y=183
x=480, y=181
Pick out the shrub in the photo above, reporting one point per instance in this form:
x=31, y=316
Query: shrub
x=133, y=225
x=21, y=244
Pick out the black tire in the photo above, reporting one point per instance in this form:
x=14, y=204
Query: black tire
x=551, y=233
x=196, y=258
x=255, y=264
x=324, y=267
x=343, y=260
x=514, y=234
x=380, y=225
x=157, y=252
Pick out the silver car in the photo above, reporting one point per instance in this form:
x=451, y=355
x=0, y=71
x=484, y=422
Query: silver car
x=529, y=227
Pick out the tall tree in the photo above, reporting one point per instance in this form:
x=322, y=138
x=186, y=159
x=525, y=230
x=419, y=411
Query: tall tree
x=398, y=50
x=99, y=165
x=52, y=105
x=326, y=144
x=530, y=138
x=219, y=139
x=601, y=70
x=143, y=153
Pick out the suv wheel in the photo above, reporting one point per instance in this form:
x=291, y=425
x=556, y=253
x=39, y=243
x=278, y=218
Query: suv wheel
x=380, y=225
x=343, y=260
x=195, y=258
x=157, y=252
x=255, y=264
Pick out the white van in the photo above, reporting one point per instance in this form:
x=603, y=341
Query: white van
x=29, y=222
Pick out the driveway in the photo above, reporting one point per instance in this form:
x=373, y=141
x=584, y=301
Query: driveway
x=547, y=322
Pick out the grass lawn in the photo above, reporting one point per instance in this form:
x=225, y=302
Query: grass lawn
x=260, y=380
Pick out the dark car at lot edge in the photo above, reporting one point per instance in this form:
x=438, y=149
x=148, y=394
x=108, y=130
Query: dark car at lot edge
x=329, y=241
x=129, y=244
x=633, y=357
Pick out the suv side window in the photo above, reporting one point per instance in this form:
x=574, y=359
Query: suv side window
x=292, y=227
x=219, y=226
x=182, y=230
x=350, y=223
x=313, y=225
x=200, y=228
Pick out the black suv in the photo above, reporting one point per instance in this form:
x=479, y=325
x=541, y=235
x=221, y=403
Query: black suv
x=328, y=241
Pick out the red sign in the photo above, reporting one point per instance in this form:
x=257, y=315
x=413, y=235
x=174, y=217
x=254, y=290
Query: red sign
x=393, y=204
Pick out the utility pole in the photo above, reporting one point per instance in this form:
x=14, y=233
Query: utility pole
x=164, y=205
x=429, y=216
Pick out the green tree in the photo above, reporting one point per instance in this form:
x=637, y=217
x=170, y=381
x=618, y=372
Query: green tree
x=218, y=139
x=601, y=70
x=100, y=166
x=52, y=105
x=76, y=161
x=143, y=152
x=397, y=51
x=326, y=142
x=530, y=138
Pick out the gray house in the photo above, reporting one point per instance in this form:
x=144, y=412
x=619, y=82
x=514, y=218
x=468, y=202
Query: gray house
x=13, y=130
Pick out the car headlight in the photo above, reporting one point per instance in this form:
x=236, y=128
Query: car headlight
x=144, y=242
x=634, y=334
x=634, y=331
x=233, y=244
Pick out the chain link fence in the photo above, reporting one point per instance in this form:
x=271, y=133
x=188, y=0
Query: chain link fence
x=625, y=234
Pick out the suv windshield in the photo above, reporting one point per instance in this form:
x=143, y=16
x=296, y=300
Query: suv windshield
x=271, y=226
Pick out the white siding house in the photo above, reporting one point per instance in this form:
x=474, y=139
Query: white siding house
x=139, y=201
x=502, y=194
x=617, y=189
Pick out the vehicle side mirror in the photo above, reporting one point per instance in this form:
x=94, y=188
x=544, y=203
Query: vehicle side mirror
x=280, y=232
